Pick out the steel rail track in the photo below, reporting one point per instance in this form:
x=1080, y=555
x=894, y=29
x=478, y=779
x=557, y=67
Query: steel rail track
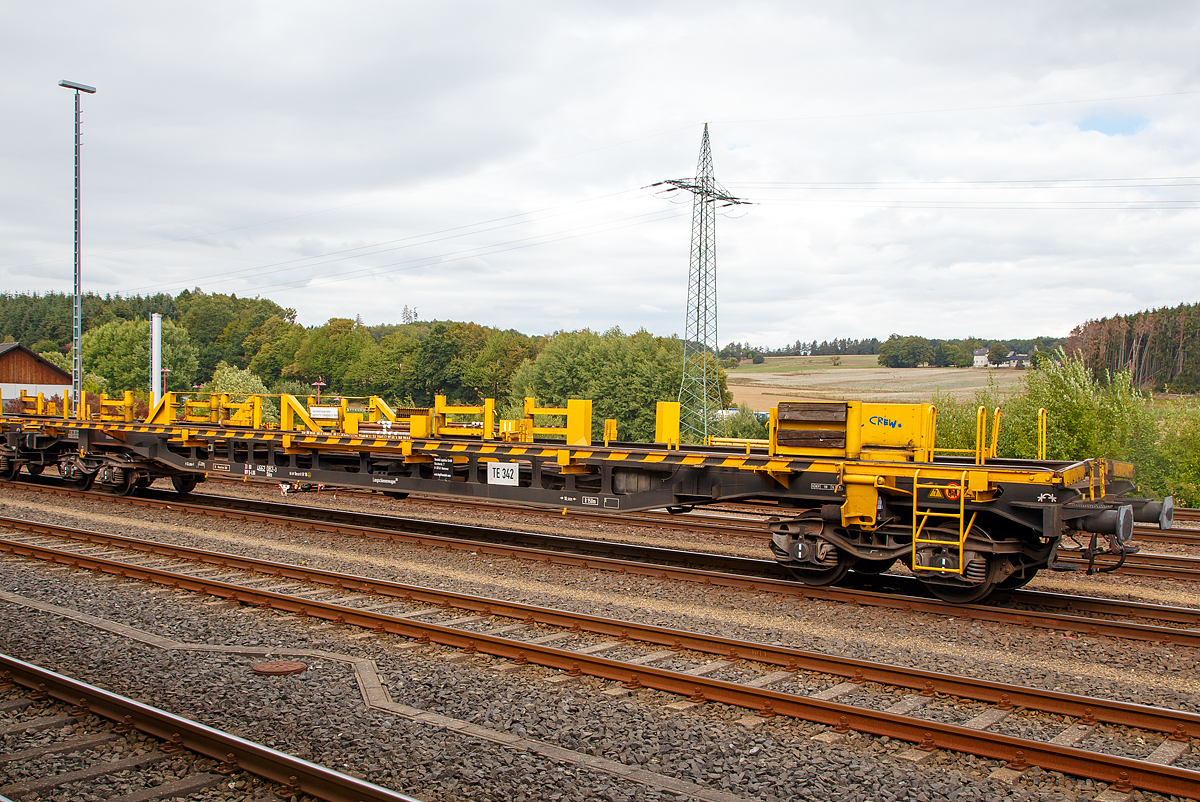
x=696, y=520
x=1114, y=628
x=748, y=520
x=292, y=772
x=930, y=734
x=1176, y=537
x=718, y=570
x=1162, y=566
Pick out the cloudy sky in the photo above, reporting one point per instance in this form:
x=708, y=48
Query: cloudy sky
x=944, y=169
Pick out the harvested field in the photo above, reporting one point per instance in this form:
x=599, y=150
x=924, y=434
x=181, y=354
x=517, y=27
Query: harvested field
x=815, y=378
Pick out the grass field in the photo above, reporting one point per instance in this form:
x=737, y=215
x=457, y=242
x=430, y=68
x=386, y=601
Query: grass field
x=856, y=378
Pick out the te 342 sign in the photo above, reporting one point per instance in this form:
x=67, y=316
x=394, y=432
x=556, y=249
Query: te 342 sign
x=504, y=473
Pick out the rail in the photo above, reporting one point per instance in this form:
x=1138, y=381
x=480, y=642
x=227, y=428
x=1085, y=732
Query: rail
x=271, y=764
x=931, y=734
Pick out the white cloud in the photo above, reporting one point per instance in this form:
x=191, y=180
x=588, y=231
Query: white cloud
x=487, y=162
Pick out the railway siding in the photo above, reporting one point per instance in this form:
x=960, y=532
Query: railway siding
x=639, y=674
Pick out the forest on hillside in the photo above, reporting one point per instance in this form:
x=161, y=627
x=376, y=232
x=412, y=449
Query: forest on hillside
x=1159, y=347
x=222, y=342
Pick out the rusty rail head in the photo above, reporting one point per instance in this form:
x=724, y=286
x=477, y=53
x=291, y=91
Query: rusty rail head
x=1149, y=776
x=232, y=751
x=1089, y=626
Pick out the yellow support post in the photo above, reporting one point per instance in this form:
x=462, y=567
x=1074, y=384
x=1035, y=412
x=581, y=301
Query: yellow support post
x=489, y=419
x=578, y=428
x=579, y=422
x=928, y=436
x=980, y=435
x=164, y=411
x=666, y=423
x=420, y=426
x=292, y=412
x=995, y=432
x=378, y=409
x=610, y=431
x=1042, y=434
x=486, y=411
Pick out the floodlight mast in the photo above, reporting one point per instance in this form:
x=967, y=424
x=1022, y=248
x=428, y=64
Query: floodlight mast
x=77, y=317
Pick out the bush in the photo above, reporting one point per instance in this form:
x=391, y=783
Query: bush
x=1087, y=418
x=745, y=424
x=239, y=384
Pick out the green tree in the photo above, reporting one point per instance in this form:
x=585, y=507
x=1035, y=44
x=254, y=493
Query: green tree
x=328, y=352
x=945, y=355
x=746, y=424
x=240, y=383
x=272, y=346
x=997, y=353
x=120, y=352
x=220, y=324
x=623, y=375
x=92, y=384
x=489, y=374
x=905, y=352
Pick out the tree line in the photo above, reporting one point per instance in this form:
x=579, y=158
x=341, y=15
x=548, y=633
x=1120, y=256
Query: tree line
x=914, y=351
x=1088, y=417
x=1160, y=348
x=837, y=347
x=223, y=343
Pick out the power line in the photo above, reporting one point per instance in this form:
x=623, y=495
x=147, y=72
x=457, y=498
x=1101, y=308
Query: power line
x=234, y=274
x=443, y=185
x=457, y=257
x=958, y=109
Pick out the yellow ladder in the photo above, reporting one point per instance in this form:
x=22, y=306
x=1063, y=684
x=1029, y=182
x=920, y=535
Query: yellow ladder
x=964, y=526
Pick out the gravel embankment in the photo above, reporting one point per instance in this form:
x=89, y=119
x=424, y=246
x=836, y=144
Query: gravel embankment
x=321, y=714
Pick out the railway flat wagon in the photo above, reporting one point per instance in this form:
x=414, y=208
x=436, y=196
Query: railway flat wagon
x=858, y=486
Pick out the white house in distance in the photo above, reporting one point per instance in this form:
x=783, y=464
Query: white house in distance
x=1011, y=361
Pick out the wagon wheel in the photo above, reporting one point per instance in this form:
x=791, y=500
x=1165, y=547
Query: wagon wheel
x=1017, y=579
x=183, y=484
x=130, y=484
x=821, y=577
x=84, y=481
x=968, y=594
x=34, y=469
x=874, y=567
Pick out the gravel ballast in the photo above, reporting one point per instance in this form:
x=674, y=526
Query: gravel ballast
x=704, y=746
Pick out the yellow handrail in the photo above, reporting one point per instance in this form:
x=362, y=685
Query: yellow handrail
x=980, y=435
x=1042, y=434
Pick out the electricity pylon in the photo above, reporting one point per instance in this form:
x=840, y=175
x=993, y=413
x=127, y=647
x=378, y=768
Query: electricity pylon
x=700, y=391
